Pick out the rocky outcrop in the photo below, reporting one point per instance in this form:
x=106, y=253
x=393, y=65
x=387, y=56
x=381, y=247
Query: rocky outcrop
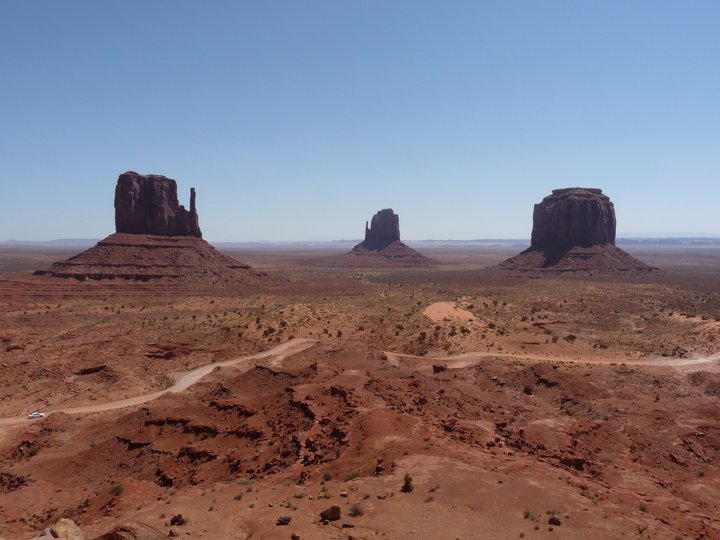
x=573, y=217
x=64, y=529
x=148, y=204
x=574, y=231
x=382, y=246
x=384, y=229
x=157, y=239
x=133, y=531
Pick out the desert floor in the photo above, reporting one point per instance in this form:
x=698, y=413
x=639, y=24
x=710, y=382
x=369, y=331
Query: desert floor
x=521, y=407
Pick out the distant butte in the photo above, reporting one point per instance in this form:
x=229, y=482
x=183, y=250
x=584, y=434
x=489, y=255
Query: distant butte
x=574, y=231
x=382, y=245
x=384, y=229
x=155, y=238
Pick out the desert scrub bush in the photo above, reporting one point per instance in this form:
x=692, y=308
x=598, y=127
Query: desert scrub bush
x=327, y=476
x=528, y=514
x=116, y=490
x=355, y=510
x=352, y=475
x=407, y=486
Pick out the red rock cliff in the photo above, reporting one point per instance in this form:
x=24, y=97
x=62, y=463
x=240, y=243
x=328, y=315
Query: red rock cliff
x=573, y=217
x=148, y=204
x=384, y=230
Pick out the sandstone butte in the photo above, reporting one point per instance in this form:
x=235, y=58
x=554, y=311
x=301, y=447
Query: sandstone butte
x=382, y=245
x=148, y=204
x=574, y=231
x=156, y=238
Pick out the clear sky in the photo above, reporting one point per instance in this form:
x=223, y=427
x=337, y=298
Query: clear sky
x=297, y=120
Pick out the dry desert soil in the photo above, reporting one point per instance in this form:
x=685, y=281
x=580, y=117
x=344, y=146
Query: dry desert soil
x=568, y=407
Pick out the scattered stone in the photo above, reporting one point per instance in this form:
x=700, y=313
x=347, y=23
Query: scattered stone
x=554, y=520
x=348, y=526
x=331, y=514
x=91, y=370
x=177, y=520
x=283, y=520
x=343, y=493
x=439, y=368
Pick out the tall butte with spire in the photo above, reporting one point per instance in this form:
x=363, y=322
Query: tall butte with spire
x=382, y=245
x=148, y=204
x=156, y=238
x=574, y=231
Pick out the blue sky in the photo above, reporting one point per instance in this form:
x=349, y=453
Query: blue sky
x=297, y=120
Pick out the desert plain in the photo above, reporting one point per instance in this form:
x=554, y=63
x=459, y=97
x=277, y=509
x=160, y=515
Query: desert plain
x=560, y=406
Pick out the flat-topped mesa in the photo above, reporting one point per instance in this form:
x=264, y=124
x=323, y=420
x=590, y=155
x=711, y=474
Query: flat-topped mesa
x=384, y=230
x=573, y=217
x=148, y=204
x=574, y=232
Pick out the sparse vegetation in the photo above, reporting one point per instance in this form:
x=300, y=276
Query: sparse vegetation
x=407, y=486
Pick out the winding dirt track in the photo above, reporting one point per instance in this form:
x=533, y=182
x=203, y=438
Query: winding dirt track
x=473, y=358
x=183, y=381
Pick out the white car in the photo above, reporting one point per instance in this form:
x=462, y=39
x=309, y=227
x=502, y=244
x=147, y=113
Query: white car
x=36, y=414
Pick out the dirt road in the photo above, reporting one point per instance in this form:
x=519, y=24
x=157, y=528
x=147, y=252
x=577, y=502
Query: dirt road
x=709, y=362
x=183, y=381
